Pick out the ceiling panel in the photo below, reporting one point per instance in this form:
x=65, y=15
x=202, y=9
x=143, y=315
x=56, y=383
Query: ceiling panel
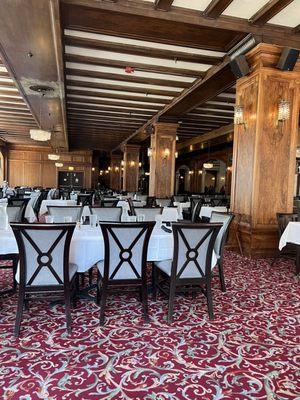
x=289, y=16
x=244, y=8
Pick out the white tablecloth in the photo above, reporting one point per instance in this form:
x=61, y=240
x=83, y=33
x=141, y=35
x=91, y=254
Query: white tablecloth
x=206, y=211
x=29, y=213
x=291, y=234
x=45, y=203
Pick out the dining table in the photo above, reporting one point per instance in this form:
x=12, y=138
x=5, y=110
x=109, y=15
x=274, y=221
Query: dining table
x=87, y=245
x=291, y=234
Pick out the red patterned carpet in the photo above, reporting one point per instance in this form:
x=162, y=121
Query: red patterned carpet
x=248, y=352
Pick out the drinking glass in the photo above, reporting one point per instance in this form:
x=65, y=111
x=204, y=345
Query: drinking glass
x=49, y=219
x=93, y=220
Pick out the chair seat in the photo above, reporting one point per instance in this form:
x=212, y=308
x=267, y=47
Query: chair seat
x=72, y=271
x=165, y=266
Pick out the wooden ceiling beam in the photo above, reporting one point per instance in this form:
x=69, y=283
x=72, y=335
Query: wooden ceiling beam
x=40, y=20
x=149, y=24
x=224, y=130
x=105, y=113
x=268, y=11
x=145, y=99
x=160, y=69
x=105, y=108
x=141, y=50
x=72, y=116
x=164, y=5
x=127, y=78
x=76, y=100
x=121, y=88
x=216, y=7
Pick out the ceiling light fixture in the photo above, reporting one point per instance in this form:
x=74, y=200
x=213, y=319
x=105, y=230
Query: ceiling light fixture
x=53, y=157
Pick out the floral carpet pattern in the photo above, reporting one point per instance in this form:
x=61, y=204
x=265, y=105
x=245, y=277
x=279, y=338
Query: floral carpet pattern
x=250, y=351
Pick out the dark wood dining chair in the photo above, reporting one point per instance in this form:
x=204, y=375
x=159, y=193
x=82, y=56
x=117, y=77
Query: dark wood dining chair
x=44, y=271
x=190, y=270
x=125, y=262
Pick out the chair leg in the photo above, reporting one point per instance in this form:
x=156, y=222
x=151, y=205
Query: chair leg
x=154, y=282
x=15, y=266
x=209, y=300
x=68, y=310
x=19, y=313
x=171, y=302
x=98, y=294
x=221, y=275
x=103, y=304
x=91, y=276
x=144, y=292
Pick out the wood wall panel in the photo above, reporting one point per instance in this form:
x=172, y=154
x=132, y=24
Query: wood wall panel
x=29, y=166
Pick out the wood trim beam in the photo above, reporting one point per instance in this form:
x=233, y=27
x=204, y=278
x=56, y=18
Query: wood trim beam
x=268, y=11
x=273, y=34
x=76, y=100
x=140, y=50
x=216, y=7
x=224, y=130
x=164, y=5
x=75, y=58
x=144, y=99
x=122, y=88
x=127, y=78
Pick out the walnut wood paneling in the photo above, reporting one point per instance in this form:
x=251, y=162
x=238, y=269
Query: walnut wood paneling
x=29, y=166
x=115, y=172
x=131, y=167
x=162, y=168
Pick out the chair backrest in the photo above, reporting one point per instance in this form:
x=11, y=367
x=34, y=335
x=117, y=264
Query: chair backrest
x=125, y=250
x=283, y=219
x=151, y=201
x=44, y=253
x=179, y=198
x=196, y=210
x=20, y=202
x=112, y=214
x=85, y=199
x=193, y=249
x=60, y=212
x=14, y=213
x=163, y=202
x=149, y=212
x=108, y=203
x=225, y=219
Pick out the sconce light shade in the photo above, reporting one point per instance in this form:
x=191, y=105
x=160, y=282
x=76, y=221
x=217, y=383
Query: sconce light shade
x=176, y=154
x=238, y=115
x=93, y=168
x=132, y=163
x=140, y=164
x=166, y=152
x=283, y=110
x=59, y=164
x=71, y=168
x=109, y=168
x=122, y=163
x=149, y=152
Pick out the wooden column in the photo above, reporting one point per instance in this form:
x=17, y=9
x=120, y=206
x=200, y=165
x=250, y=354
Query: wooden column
x=115, y=172
x=264, y=153
x=131, y=167
x=162, y=160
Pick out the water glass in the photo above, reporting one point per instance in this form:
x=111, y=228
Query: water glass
x=93, y=220
x=49, y=219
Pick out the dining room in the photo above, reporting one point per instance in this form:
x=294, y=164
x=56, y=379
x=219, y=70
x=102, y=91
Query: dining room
x=149, y=199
